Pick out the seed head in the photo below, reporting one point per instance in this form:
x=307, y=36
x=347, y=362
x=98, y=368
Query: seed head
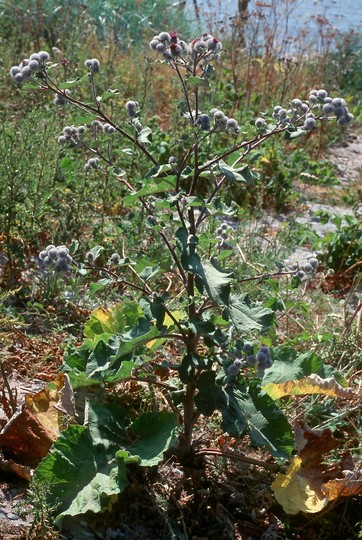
x=43, y=55
x=34, y=65
x=18, y=77
x=26, y=72
x=233, y=370
x=297, y=103
x=14, y=70
x=115, y=258
x=53, y=253
x=164, y=36
x=107, y=128
x=204, y=122
x=153, y=44
x=93, y=65
x=131, y=107
x=260, y=123
x=310, y=124
x=328, y=108
x=322, y=94
x=262, y=357
x=264, y=349
x=232, y=125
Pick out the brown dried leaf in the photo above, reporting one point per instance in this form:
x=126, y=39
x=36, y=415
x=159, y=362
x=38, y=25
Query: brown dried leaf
x=309, y=484
x=312, y=444
x=29, y=434
x=25, y=439
x=9, y=466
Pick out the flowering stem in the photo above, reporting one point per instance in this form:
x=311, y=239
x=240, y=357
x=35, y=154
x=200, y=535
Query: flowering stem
x=99, y=113
x=185, y=92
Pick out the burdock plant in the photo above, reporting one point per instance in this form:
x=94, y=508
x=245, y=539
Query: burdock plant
x=205, y=314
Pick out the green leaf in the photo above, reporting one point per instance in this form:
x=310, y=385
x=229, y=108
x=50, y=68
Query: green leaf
x=128, y=344
x=154, y=310
x=210, y=396
x=195, y=82
x=100, y=359
x=250, y=410
x=217, y=283
x=156, y=433
x=145, y=136
x=96, y=251
x=248, y=316
x=107, y=423
x=70, y=465
x=290, y=365
x=107, y=94
x=151, y=187
x=101, y=284
x=79, y=81
x=149, y=272
x=294, y=134
x=242, y=174
x=83, y=473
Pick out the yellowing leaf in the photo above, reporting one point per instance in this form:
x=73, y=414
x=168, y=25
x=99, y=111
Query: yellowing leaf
x=155, y=343
x=313, y=384
x=44, y=404
x=295, y=492
x=178, y=315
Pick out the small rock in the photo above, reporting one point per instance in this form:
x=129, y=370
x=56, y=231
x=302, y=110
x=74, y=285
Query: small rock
x=13, y=516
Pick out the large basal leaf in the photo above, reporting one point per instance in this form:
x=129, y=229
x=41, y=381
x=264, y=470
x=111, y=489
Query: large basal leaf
x=86, y=467
x=70, y=465
x=248, y=316
x=252, y=410
x=107, y=424
x=155, y=433
x=102, y=490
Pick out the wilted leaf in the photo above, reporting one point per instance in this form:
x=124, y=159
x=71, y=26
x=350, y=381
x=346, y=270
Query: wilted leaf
x=46, y=405
x=25, y=439
x=30, y=433
x=10, y=466
x=309, y=483
x=308, y=385
x=295, y=492
x=349, y=484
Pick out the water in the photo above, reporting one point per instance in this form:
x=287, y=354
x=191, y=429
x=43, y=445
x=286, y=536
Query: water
x=342, y=15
